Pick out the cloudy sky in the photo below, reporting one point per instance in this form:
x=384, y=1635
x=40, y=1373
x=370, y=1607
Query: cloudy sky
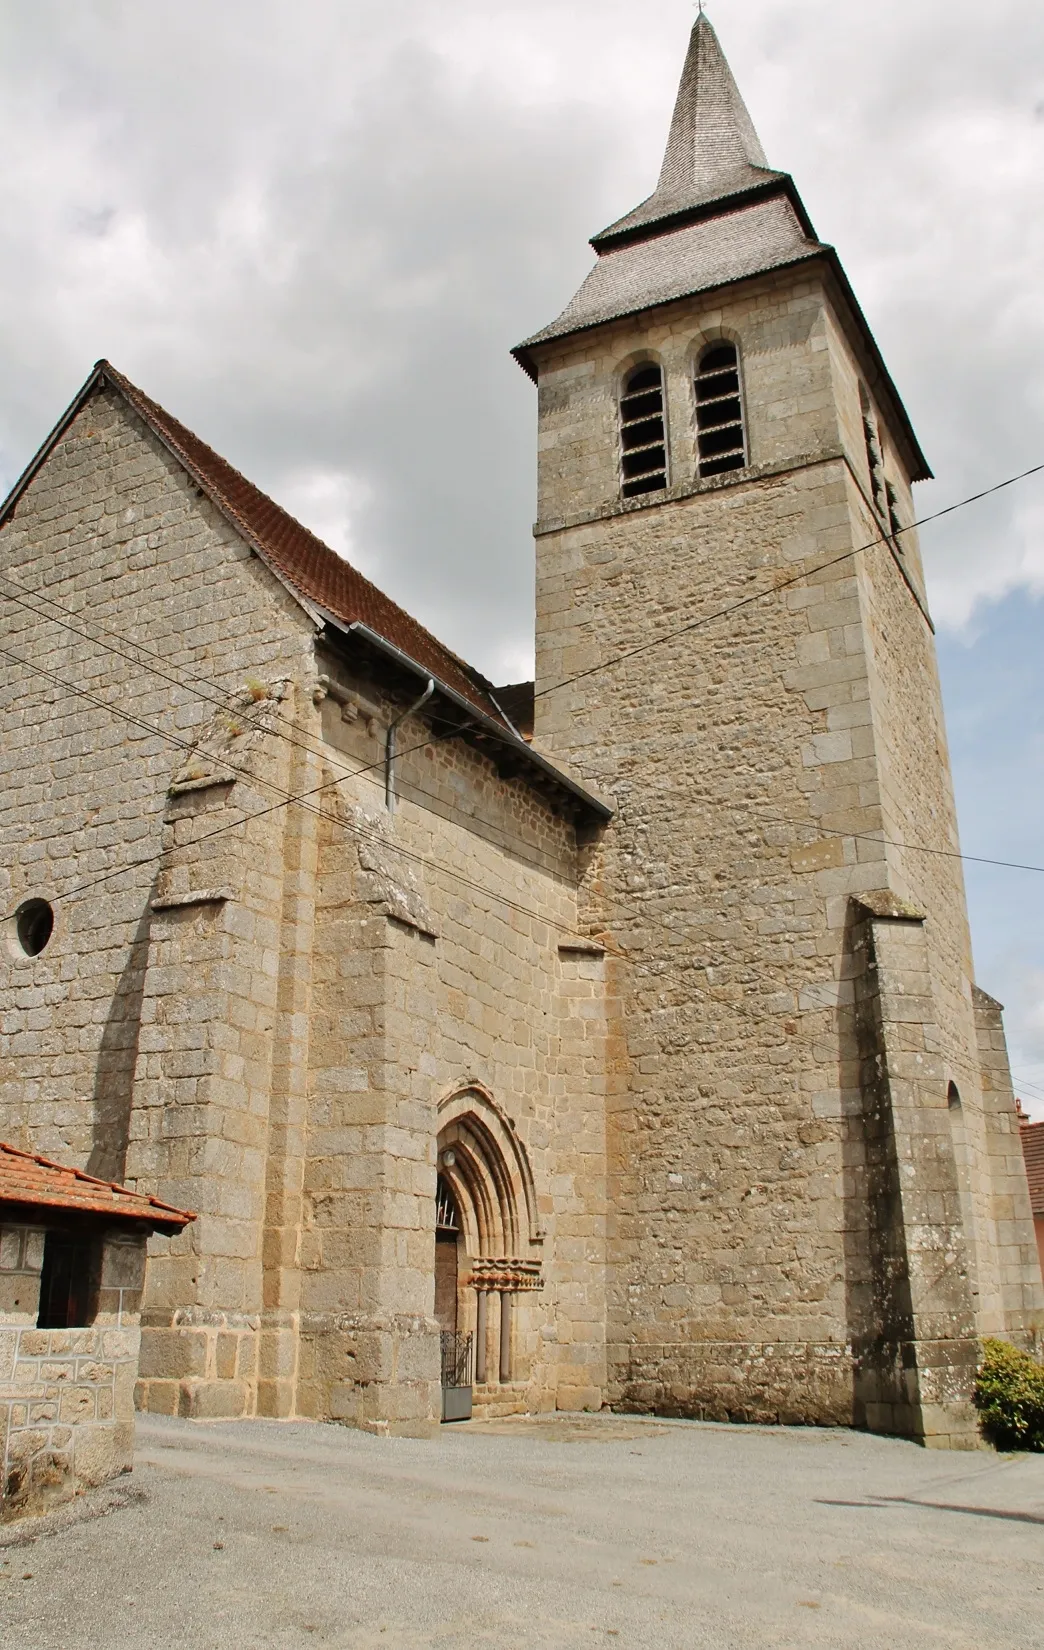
x=314, y=228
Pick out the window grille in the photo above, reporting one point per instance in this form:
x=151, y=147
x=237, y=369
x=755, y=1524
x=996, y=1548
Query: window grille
x=643, y=440
x=720, y=440
x=446, y=1217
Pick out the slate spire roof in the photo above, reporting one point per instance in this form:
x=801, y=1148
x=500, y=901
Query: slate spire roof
x=719, y=214
x=712, y=150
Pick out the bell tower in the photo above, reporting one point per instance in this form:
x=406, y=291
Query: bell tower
x=734, y=646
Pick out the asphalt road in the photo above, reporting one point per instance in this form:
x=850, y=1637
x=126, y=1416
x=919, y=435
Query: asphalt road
x=569, y=1532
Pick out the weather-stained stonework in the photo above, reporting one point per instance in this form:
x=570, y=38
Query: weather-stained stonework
x=640, y=1063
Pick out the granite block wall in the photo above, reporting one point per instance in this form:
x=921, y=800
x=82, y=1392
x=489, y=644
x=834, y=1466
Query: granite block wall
x=66, y=1395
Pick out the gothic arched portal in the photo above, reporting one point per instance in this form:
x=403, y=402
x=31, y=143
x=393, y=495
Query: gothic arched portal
x=485, y=1188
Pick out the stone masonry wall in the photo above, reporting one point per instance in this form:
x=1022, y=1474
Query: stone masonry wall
x=113, y=530
x=754, y=761
x=259, y=1022
x=442, y=965
x=66, y=1395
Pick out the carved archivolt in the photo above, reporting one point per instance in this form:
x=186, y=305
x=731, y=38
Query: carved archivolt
x=485, y=1163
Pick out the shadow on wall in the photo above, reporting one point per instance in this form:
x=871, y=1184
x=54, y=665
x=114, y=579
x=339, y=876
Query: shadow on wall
x=880, y=1311
x=117, y=1059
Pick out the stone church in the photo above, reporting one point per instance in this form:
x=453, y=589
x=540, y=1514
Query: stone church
x=611, y=1039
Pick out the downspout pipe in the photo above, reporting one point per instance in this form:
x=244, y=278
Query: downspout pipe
x=477, y=718
x=389, y=743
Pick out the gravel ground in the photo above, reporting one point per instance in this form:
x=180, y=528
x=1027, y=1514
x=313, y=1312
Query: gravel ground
x=566, y=1532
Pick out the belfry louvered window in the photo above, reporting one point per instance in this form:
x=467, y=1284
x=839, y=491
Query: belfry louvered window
x=720, y=440
x=643, y=439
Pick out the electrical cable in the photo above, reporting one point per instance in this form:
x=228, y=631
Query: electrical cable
x=289, y=799
x=786, y=584
x=656, y=971
x=286, y=799
x=641, y=648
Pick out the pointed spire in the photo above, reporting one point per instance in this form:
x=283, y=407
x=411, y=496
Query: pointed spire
x=712, y=137
x=713, y=150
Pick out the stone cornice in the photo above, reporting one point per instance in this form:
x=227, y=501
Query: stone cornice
x=739, y=478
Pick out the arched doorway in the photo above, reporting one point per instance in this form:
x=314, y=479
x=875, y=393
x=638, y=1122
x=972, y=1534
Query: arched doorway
x=487, y=1239
x=456, y=1342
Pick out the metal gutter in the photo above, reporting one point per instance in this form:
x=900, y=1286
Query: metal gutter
x=506, y=735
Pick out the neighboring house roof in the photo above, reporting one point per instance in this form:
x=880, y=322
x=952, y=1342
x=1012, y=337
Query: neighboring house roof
x=719, y=214
x=1032, y=1137
x=32, y=1183
x=330, y=588
x=516, y=700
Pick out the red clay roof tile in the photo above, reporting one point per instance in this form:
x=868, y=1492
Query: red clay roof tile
x=1032, y=1137
x=305, y=562
x=35, y=1182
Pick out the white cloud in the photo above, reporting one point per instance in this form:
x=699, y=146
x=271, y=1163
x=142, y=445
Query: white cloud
x=985, y=570
x=327, y=502
x=314, y=229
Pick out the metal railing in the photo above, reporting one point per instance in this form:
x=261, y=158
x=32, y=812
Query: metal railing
x=457, y=1356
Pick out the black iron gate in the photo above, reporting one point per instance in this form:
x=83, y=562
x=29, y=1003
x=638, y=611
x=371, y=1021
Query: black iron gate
x=457, y=1359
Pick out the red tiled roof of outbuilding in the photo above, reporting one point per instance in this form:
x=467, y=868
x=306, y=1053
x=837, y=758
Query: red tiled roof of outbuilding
x=31, y=1182
x=1032, y=1137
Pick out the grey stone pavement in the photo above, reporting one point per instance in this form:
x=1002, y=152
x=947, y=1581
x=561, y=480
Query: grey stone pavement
x=568, y=1531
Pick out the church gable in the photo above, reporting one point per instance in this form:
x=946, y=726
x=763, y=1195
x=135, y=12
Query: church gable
x=107, y=503
x=129, y=608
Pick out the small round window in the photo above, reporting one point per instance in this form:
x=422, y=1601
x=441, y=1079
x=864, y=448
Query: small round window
x=34, y=925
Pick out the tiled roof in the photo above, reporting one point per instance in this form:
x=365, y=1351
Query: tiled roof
x=1032, y=1137
x=756, y=237
x=305, y=562
x=328, y=587
x=32, y=1182
x=516, y=701
x=712, y=150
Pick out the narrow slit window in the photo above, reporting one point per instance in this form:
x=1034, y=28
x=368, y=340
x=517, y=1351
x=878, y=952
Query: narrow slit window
x=721, y=442
x=643, y=437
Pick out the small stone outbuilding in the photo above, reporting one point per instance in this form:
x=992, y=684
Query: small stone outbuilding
x=72, y=1271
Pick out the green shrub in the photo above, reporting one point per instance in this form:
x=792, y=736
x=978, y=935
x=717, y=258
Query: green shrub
x=1009, y=1395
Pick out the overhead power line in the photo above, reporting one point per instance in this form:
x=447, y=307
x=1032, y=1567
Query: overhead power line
x=288, y=799
x=285, y=799
x=785, y=584
x=657, y=971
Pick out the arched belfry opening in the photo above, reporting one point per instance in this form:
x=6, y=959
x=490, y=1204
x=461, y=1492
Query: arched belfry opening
x=487, y=1238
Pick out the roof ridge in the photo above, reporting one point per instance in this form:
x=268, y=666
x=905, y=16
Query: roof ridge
x=274, y=541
